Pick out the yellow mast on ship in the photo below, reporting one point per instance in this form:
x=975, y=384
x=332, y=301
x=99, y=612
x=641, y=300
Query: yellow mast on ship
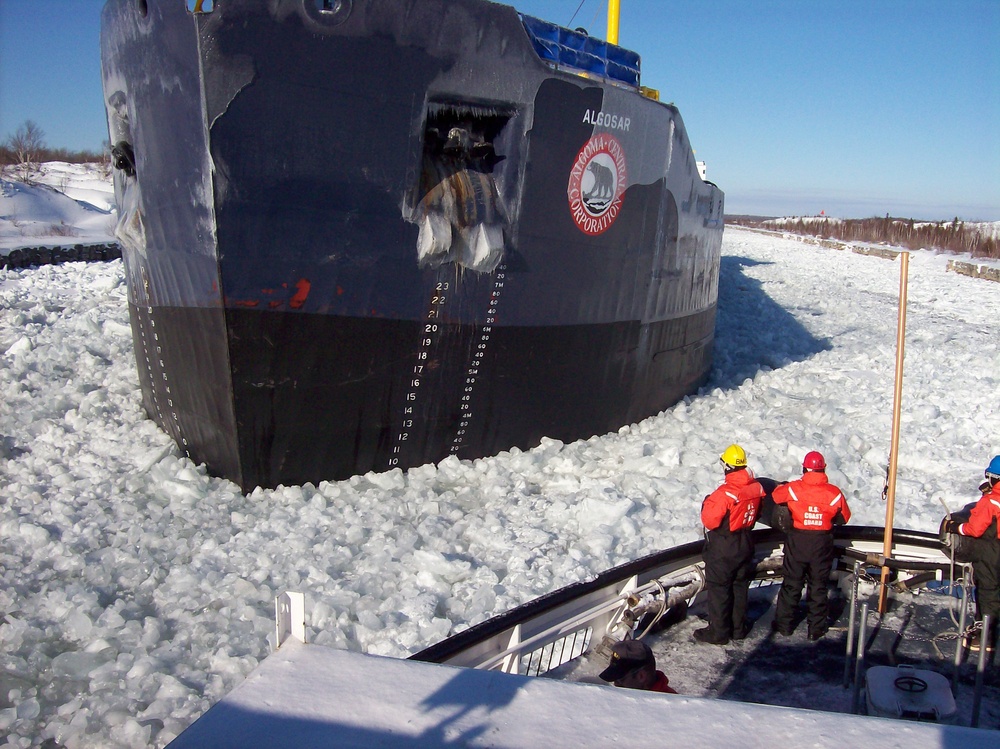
x=613, y=9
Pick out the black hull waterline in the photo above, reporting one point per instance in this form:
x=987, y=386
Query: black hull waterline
x=385, y=233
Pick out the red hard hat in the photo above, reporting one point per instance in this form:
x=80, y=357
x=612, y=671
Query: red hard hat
x=814, y=462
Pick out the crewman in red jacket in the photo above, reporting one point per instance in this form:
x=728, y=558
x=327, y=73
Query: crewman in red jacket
x=816, y=506
x=984, y=526
x=729, y=514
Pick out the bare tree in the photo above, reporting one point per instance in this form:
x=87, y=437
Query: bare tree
x=107, y=164
x=27, y=144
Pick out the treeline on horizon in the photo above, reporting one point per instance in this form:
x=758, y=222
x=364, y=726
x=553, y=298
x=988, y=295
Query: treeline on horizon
x=25, y=150
x=8, y=157
x=948, y=236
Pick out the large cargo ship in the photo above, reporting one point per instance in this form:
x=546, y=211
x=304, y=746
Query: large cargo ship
x=367, y=234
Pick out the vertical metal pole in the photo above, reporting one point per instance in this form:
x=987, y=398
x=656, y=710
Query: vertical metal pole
x=904, y=258
x=613, y=12
x=850, y=625
x=984, y=642
x=859, y=658
x=961, y=624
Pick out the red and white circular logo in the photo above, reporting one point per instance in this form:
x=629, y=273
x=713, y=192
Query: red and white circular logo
x=597, y=184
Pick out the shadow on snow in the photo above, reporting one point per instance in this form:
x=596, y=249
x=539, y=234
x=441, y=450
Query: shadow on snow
x=753, y=333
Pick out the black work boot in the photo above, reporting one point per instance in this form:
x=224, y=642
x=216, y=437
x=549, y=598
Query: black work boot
x=710, y=636
x=785, y=630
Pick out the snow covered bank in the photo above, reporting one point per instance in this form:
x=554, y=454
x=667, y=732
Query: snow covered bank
x=65, y=204
x=136, y=591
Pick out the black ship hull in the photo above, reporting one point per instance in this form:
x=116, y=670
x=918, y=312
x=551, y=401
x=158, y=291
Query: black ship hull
x=378, y=233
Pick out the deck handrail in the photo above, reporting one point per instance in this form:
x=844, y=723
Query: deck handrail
x=591, y=605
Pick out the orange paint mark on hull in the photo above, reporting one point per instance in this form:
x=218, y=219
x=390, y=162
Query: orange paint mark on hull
x=302, y=287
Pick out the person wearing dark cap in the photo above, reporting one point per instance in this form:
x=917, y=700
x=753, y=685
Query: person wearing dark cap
x=633, y=666
x=729, y=514
x=815, y=506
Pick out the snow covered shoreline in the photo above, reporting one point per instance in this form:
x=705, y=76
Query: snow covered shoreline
x=65, y=204
x=137, y=591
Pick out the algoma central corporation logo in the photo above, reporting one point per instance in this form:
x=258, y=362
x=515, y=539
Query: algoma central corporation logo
x=597, y=184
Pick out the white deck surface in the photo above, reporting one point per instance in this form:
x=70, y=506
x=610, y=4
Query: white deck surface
x=311, y=696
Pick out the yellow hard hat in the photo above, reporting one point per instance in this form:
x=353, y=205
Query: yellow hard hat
x=734, y=456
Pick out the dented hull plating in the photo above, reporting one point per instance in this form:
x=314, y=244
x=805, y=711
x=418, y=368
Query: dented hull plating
x=389, y=232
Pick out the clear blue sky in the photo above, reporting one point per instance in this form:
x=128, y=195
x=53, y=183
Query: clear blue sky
x=855, y=107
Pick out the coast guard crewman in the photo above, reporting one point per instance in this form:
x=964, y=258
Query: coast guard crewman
x=816, y=506
x=984, y=526
x=729, y=514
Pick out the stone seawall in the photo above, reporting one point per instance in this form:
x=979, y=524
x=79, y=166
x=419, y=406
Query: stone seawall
x=25, y=257
x=832, y=244
x=975, y=270
x=989, y=272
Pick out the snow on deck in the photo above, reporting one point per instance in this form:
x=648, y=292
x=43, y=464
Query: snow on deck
x=311, y=696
